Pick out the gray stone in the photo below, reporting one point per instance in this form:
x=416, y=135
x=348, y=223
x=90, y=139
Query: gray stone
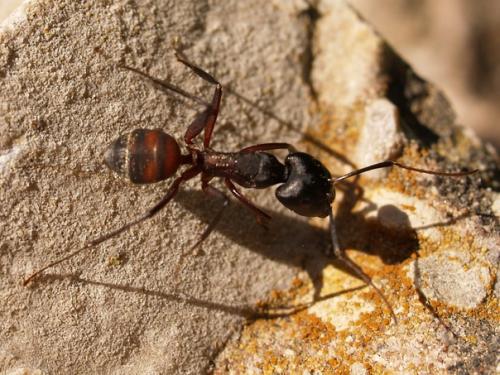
x=380, y=137
x=452, y=277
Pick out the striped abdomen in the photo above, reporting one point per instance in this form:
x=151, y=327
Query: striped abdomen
x=144, y=156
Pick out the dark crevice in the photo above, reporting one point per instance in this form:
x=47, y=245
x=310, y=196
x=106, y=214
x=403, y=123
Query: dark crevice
x=406, y=90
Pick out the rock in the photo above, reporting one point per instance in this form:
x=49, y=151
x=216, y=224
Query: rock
x=403, y=223
x=24, y=371
x=63, y=99
x=380, y=137
x=358, y=369
x=452, y=277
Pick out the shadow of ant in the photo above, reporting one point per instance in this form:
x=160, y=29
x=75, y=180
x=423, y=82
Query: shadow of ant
x=244, y=311
x=291, y=126
x=291, y=240
x=393, y=245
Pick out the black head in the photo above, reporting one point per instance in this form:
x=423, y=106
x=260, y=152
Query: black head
x=308, y=190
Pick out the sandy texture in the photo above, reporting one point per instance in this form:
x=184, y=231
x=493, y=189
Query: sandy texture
x=117, y=309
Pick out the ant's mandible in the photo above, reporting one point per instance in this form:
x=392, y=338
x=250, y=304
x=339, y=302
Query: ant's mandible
x=306, y=187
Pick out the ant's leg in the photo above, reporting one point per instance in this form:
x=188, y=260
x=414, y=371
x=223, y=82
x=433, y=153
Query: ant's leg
x=269, y=146
x=260, y=215
x=167, y=86
x=390, y=163
x=187, y=175
x=214, y=193
x=206, y=119
x=200, y=72
x=340, y=254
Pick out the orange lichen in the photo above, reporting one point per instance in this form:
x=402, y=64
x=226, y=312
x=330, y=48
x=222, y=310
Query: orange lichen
x=303, y=341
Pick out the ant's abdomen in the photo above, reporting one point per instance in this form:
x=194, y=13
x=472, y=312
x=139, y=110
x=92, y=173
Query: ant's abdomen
x=144, y=156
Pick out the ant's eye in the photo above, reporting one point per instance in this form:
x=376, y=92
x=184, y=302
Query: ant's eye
x=308, y=190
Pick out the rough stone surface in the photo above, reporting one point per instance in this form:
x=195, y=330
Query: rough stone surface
x=400, y=231
x=380, y=137
x=453, y=278
x=285, y=65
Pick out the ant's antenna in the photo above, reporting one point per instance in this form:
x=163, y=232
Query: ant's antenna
x=340, y=254
x=391, y=163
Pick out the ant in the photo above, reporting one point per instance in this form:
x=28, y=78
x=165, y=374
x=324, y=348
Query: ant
x=306, y=187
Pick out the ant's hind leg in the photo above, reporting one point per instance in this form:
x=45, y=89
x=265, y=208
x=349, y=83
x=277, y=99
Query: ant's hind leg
x=200, y=72
x=172, y=191
x=340, y=254
x=204, y=120
x=166, y=86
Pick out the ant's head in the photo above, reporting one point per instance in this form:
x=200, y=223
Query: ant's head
x=308, y=190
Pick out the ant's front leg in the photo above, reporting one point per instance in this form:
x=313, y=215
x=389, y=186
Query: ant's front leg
x=340, y=254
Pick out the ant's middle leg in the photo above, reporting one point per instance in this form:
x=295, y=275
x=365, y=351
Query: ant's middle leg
x=214, y=193
x=260, y=215
x=204, y=120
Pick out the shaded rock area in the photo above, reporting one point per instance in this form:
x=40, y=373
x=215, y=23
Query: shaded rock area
x=316, y=76
x=453, y=42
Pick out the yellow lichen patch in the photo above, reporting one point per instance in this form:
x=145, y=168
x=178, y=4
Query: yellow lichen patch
x=408, y=207
x=114, y=261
